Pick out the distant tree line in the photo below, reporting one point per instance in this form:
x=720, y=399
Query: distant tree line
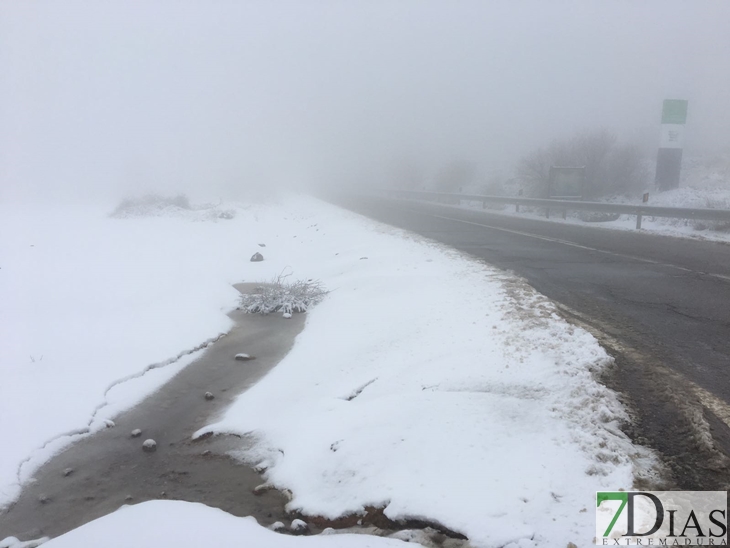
x=611, y=169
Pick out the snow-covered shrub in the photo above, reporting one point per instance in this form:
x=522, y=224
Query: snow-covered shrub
x=280, y=295
x=150, y=205
x=153, y=205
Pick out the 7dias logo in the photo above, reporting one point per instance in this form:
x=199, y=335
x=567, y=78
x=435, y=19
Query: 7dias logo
x=661, y=518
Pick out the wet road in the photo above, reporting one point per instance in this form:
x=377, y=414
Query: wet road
x=660, y=306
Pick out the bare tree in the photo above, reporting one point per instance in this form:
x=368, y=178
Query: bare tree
x=533, y=172
x=591, y=149
x=626, y=170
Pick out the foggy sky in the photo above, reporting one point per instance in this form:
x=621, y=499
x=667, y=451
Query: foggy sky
x=99, y=99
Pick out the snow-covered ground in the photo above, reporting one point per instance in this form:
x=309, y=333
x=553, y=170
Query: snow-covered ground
x=88, y=301
x=426, y=382
x=175, y=524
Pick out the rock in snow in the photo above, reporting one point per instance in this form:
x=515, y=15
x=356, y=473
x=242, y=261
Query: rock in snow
x=149, y=446
x=136, y=433
x=209, y=396
x=257, y=257
x=68, y=471
x=261, y=489
x=287, y=315
x=277, y=526
x=244, y=357
x=299, y=527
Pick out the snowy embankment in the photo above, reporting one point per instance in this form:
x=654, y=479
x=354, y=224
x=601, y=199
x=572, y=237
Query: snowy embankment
x=705, y=184
x=426, y=382
x=708, y=197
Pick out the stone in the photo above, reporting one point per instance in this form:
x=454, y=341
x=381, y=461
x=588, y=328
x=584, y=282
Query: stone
x=209, y=396
x=261, y=489
x=299, y=527
x=149, y=446
x=257, y=257
x=67, y=472
x=136, y=433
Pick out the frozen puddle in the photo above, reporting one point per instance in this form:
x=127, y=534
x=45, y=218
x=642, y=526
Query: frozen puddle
x=106, y=470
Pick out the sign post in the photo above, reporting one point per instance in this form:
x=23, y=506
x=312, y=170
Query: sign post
x=669, y=158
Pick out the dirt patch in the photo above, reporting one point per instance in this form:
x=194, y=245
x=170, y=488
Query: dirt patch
x=375, y=516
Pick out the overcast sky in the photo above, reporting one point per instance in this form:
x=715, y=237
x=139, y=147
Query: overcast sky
x=103, y=98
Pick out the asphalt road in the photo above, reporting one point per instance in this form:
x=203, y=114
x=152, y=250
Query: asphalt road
x=659, y=305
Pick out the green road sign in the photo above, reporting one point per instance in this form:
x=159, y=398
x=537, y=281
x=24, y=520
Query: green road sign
x=674, y=111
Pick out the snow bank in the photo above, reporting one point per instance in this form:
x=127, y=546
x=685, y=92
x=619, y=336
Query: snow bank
x=437, y=387
x=705, y=183
x=176, y=524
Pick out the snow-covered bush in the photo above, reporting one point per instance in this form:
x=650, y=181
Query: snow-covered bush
x=280, y=295
x=150, y=205
x=154, y=205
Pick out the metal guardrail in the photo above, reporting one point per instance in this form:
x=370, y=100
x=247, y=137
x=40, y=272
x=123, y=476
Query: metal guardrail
x=640, y=210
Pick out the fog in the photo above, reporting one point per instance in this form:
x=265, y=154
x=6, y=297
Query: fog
x=104, y=99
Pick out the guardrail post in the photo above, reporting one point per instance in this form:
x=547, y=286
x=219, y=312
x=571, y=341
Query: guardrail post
x=644, y=199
